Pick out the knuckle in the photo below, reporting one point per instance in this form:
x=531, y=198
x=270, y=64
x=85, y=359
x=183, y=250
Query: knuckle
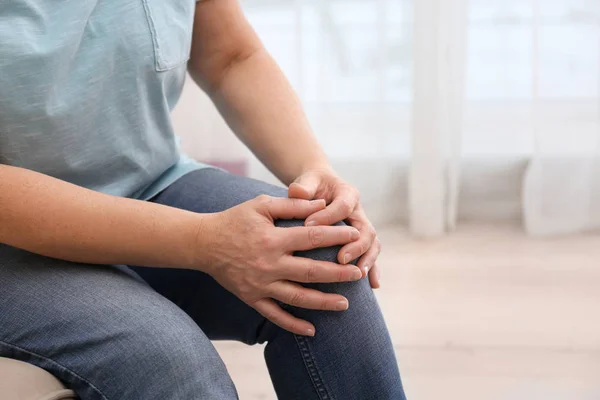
x=268, y=241
x=297, y=299
x=341, y=276
x=263, y=265
x=363, y=246
x=271, y=316
x=316, y=236
x=264, y=200
x=371, y=258
x=347, y=206
x=312, y=273
x=372, y=231
x=350, y=233
x=245, y=291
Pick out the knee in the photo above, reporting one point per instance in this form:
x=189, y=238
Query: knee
x=357, y=292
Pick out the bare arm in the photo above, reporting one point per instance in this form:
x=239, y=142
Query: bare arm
x=239, y=247
x=48, y=216
x=231, y=64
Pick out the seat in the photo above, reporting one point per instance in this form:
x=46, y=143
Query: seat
x=22, y=381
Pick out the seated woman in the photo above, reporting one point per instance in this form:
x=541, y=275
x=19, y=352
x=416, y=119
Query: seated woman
x=120, y=259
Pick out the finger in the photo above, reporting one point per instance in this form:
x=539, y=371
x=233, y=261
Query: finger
x=368, y=260
x=271, y=311
x=340, y=208
x=300, y=269
x=298, y=296
x=375, y=276
x=300, y=238
x=353, y=250
x=282, y=208
x=305, y=187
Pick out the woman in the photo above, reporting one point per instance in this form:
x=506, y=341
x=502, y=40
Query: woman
x=120, y=259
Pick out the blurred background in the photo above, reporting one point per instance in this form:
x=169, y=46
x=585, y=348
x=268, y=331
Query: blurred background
x=472, y=129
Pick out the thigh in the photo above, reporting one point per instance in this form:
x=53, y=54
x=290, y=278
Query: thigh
x=103, y=331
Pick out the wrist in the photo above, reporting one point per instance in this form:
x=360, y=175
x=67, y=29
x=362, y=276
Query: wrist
x=321, y=165
x=197, y=241
x=315, y=159
x=184, y=236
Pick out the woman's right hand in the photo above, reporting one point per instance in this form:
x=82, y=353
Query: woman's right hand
x=252, y=258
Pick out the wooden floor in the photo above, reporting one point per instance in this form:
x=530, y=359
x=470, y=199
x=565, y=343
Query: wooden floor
x=484, y=314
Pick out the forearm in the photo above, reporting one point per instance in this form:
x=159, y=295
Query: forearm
x=50, y=217
x=263, y=110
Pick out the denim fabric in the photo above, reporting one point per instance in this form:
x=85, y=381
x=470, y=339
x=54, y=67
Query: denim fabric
x=118, y=332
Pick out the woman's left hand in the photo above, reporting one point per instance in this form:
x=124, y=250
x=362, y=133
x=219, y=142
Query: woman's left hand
x=343, y=204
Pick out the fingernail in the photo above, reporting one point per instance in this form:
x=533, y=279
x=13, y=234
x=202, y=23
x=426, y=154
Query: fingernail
x=355, y=234
x=311, y=223
x=316, y=201
x=357, y=275
x=341, y=305
x=366, y=267
x=310, y=332
x=346, y=258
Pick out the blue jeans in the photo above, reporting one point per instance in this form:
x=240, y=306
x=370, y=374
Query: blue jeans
x=125, y=332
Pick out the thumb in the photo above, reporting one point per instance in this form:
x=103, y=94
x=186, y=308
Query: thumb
x=305, y=187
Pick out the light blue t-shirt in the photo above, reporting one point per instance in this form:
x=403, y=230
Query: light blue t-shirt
x=86, y=90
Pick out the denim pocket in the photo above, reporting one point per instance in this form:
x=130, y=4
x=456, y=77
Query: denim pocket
x=171, y=25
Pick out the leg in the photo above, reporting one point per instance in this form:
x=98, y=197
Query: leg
x=351, y=357
x=104, y=332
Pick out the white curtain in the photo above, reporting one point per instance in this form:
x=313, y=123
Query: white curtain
x=562, y=184
x=438, y=93
x=531, y=98
x=440, y=111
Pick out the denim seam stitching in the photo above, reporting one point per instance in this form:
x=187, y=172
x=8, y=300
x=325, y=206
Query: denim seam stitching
x=311, y=367
x=73, y=373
